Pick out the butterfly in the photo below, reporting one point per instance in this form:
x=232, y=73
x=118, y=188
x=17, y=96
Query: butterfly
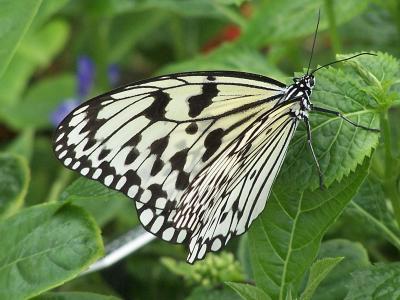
x=198, y=152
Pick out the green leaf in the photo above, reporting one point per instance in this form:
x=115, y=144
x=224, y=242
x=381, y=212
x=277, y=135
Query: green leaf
x=377, y=75
x=45, y=43
x=377, y=282
x=102, y=202
x=15, y=19
x=339, y=146
x=46, y=11
x=128, y=29
x=53, y=36
x=248, y=291
x=73, y=296
x=243, y=254
x=284, y=20
x=212, y=294
x=285, y=239
x=44, y=246
x=23, y=144
x=40, y=101
x=335, y=284
x=371, y=210
x=14, y=180
x=228, y=57
x=319, y=270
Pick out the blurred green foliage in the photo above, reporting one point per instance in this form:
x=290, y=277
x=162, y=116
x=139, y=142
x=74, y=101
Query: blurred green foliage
x=307, y=244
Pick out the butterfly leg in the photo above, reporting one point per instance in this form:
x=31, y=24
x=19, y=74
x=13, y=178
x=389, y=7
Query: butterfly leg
x=309, y=141
x=340, y=115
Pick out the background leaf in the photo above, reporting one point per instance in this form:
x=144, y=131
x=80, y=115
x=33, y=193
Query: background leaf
x=248, y=291
x=15, y=19
x=285, y=239
x=284, y=20
x=319, y=270
x=14, y=179
x=44, y=246
x=376, y=282
x=335, y=284
x=73, y=296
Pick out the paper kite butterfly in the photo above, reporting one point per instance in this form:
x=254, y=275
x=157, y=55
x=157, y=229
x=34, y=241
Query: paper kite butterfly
x=198, y=152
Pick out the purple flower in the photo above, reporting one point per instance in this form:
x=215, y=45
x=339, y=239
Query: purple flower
x=113, y=74
x=85, y=74
x=85, y=79
x=63, y=110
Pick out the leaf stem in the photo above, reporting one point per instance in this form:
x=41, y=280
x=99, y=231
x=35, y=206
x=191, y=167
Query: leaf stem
x=335, y=40
x=391, y=167
x=59, y=184
x=393, y=238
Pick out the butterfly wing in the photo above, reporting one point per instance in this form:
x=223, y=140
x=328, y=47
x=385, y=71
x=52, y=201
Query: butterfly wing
x=154, y=139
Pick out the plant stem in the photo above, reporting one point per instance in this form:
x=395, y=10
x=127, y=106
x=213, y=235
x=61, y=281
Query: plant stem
x=335, y=40
x=391, y=166
x=59, y=184
x=393, y=238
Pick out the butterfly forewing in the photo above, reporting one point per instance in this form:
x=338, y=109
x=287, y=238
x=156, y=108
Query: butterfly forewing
x=196, y=151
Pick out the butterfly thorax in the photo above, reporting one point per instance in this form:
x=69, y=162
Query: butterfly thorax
x=300, y=91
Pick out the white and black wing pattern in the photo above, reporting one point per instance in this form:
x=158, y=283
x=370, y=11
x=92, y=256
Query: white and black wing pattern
x=168, y=143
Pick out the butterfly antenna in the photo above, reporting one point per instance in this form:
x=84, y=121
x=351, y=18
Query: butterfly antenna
x=313, y=44
x=340, y=60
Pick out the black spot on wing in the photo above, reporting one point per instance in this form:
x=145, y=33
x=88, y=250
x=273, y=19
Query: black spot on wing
x=178, y=160
x=182, y=182
x=131, y=157
x=191, y=128
x=133, y=178
x=157, y=166
x=156, y=111
x=157, y=192
x=198, y=103
x=104, y=152
x=91, y=142
x=158, y=146
x=211, y=78
x=212, y=142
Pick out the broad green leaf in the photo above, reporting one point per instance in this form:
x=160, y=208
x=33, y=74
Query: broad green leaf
x=73, y=296
x=319, y=270
x=355, y=257
x=212, y=294
x=127, y=29
x=276, y=21
x=378, y=75
x=248, y=291
x=380, y=281
x=54, y=36
x=99, y=200
x=44, y=169
x=284, y=240
x=46, y=44
x=23, y=144
x=243, y=255
x=44, y=246
x=339, y=146
x=46, y=10
x=189, y=8
x=15, y=19
x=228, y=57
x=40, y=101
x=371, y=210
x=14, y=180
